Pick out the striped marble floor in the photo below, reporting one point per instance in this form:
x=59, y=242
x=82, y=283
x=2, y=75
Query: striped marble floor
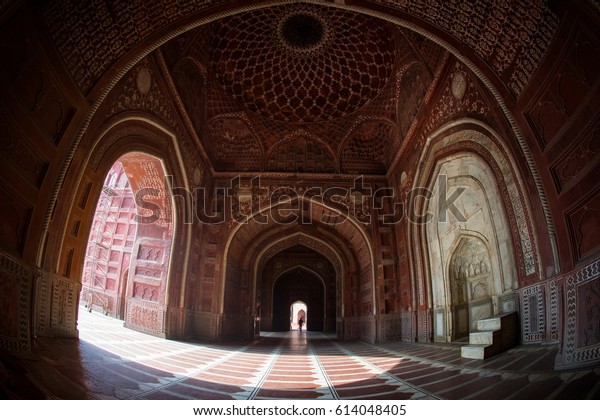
x=113, y=362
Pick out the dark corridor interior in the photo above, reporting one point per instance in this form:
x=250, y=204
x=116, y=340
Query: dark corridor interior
x=298, y=284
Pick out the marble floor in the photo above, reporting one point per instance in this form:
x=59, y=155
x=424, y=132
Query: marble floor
x=113, y=362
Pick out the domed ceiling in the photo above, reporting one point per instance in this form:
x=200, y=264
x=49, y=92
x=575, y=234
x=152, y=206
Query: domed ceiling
x=301, y=88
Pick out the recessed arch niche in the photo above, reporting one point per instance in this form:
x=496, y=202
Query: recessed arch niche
x=476, y=202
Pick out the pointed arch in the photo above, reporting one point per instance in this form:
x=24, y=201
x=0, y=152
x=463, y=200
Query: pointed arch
x=254, y=242
x=469, y=159
x=132, y=135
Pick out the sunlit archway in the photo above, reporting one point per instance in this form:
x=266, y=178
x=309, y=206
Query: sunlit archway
x=299, y=316
x=126, y=267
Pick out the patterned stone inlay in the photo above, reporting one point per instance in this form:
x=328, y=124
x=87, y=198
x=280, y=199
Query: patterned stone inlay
x=302, y=63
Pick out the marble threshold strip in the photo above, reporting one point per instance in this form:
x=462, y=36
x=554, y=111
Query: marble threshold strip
x=321, y=369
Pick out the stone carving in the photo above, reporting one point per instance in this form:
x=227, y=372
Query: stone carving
x=150, y=253
x=16, y=150
x=63, y=321
x=145, y=291
x=326, y=81
x=128, y=96
x=407, y=326
x=301, y=155
x=589, y=314
x=42, y=308
x=15, y=294
x=367, y=150
x=235, y=147
x=566, y=91
x=144, y=316
x=469, y=270
x=391, y=327
x=151, y=177
x=530, y=28
x=148, y=272
x=513, y=40
x=423, y=325
x=450, y=105
x=583, y=222
x=519, y=218
x=144, y=80
x=577, y=285
x=458, y=85
x=578, y=161
x=112, y=27
x=533, y=306
x=9, y=296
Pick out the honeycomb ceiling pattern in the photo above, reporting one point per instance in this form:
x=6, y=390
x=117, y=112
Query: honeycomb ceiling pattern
x=304, y=63
x=301, y=88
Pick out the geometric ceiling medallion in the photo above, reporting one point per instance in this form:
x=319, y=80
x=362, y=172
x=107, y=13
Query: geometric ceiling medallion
x=302, y=63
x=302, y=31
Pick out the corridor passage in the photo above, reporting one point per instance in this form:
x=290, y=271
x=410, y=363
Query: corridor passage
x=113, y=362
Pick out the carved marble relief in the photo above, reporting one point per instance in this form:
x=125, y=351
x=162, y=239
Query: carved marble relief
x=470, y=271
x=65, y=296
x=589, y=314
x=533, y=313
x=581, y=343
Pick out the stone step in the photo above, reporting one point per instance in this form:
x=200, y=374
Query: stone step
x=489, y=324
x=483, y=337
x=496, y=322
x=496, y=334
x=473, y=351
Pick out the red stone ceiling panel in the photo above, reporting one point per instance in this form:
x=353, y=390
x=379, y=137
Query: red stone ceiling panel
x=302, y=63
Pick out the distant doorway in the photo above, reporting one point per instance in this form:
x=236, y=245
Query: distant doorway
x=298, y=312
x=298, y=285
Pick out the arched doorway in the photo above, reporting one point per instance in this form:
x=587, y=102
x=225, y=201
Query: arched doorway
x=298, y=316
x=298, y=285
x=252, y=246
x=126, y=268
x=109, y=247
